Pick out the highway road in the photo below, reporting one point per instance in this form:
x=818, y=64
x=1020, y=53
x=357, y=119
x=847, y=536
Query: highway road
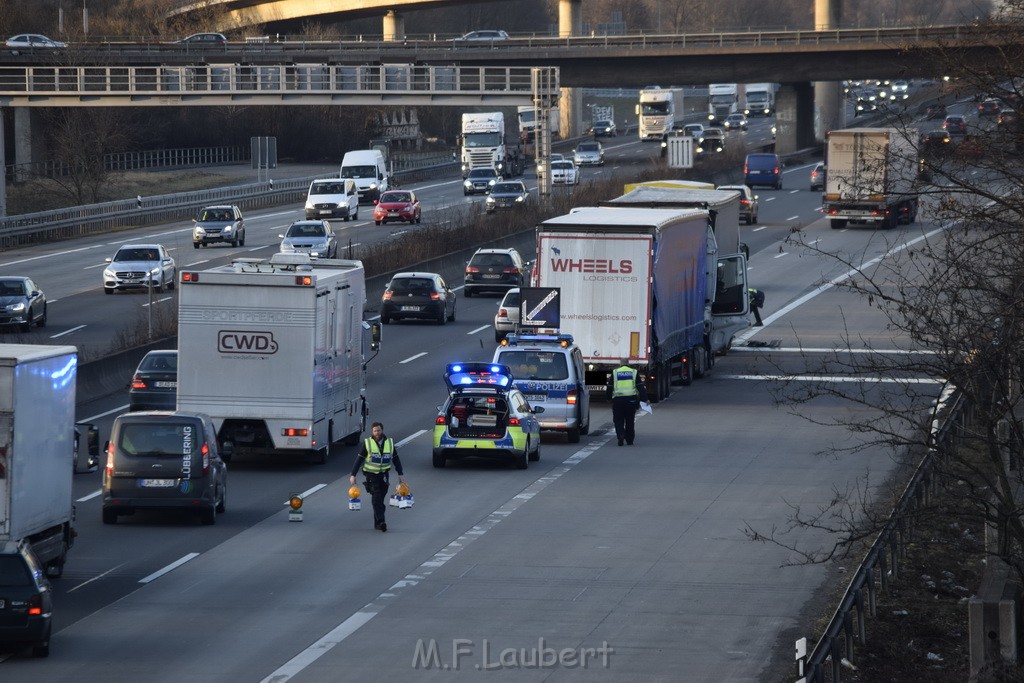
x=596, y=563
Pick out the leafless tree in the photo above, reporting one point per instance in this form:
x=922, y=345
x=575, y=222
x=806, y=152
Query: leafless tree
x=80, y=138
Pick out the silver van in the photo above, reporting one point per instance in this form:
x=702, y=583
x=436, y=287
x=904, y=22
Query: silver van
x=549, y=371
x=162, y=459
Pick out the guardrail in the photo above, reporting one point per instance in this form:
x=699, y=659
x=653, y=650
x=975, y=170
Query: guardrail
x=882, y=562
x=183, y=157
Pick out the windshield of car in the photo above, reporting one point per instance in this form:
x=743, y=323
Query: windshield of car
x=137, y=254
x=587, y=147
x=491, y=260
x=210, y=215
x=159, y=362
x=306, y=230
x=14, y=572
x=359, y=171
x=483, y=173
x=327, y=188
x=412, y=285
x=562, y=165
x=603, y=124
x=395, y=198
x=12, y=288
x=508, y=188
x=537, y=365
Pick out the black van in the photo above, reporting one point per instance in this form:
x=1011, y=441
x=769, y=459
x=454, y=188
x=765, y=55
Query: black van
x=163, y=459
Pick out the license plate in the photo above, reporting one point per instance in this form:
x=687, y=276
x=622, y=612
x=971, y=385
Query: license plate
x=392, y=213
x=325, y=211
x=165, y=385
x=157, y=483
x=410, y=308
x=131, y=282
x=536, y=397
x=2, y=604
x=491, y=276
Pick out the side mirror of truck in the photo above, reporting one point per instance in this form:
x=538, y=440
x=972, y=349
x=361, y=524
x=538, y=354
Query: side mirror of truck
x=375, y=331
x=227, y=449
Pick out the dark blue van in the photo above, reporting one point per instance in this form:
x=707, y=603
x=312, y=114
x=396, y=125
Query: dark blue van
x=763, y=169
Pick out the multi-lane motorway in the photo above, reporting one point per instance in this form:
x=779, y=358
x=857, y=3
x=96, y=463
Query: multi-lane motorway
x=596, y=563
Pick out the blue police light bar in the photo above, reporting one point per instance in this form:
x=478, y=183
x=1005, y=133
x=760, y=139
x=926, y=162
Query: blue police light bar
x=563, y=339
x=478, y=373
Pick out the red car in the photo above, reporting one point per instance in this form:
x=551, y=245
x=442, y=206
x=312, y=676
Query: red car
x=397, y=205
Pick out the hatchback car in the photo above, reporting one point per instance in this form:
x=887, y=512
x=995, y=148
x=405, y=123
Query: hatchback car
x=748, y=202
x=494, y=270
x=154, y=385
x=22, y=303
x=989, y=107
x=714, y=141
x=486, y=35
x=955, y=125
x=26, y=599
x=480, y=181
x=204, y=40
x=33, y=40
x=219, y=224
x=508, y=194
x=485, y=416
x=507, y=318
x=818, y=177
x=603, y=129
x=315, y=238
x=417, y=296
x=589, y=154
x=564, y=173
x=397, y=205
x=164, y=460
x=139, y=266
x=735, y=121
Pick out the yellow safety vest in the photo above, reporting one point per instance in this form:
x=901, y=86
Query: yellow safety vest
x=625, y=382
x=378, y=459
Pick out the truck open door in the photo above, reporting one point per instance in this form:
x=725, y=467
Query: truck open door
x=730, y=309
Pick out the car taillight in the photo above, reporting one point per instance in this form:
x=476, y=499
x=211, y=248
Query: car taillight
x=776, y=170
x=513, y=422
x=138, y=382
x=205, y=450
x=744, y=201
x=745, y=169
x=110, y=458
x=435, y=295
x=570, y=397
x=35, y=605
x=387, y=295
x=441, y=420
x=472, y=269
x=502, y=313
x=512, y=270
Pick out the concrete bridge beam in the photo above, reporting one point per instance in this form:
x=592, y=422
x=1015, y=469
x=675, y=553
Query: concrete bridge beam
x=570, y=102
x=828, y=96
x=794, y=117
x=394, y=26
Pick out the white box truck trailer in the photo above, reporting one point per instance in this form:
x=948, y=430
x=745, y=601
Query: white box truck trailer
x=273, y=351
x=37, y=446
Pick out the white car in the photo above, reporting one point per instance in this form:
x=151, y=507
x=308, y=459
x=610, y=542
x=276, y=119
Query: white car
x=564, y=173
x=139, y=266
x=589, y=153
x=33, y=40
x=485, y=36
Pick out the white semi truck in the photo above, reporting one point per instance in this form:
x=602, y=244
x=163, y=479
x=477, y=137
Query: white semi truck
x=37, y=449
x=643, y=284
x=870, y=177
x=527, y=122
x=759, y=99
x=484, y=144
x=273, y=351
x=657, y=110
x=722, y=101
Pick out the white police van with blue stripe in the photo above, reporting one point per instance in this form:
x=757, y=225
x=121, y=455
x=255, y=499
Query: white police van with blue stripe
x=549, y=371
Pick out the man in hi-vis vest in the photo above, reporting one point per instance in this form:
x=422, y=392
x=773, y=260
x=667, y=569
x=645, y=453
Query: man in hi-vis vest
x=376, y=458
x=626, y=391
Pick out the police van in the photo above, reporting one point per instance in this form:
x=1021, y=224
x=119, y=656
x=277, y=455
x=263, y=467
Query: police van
x=549, y=371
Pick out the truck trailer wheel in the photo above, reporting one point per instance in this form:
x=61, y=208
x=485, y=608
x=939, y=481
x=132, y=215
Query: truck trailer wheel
x=838, y=223
x=686, y=373
x=109, y=516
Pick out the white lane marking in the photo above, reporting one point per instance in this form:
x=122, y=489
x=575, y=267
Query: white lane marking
x=759, y=228
x=410, y=438
x=793, y=218
x=90, y=496
x=781, y=254
x=796, y=349
x=98, y=265
x=309, y=492
x=196, y=263
x=58, y=253
x=119, y=409
x=412, y=358
x=839, y=378
x=158, y=301
x=769, y=199
x=61, y=334
x=346, y=628
x=479, y=329
x=169, y=568
x=272, y=215
x=97, y=577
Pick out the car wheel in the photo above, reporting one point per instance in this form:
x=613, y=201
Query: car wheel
x=174, y=276
x=468, y=292
x=26, y=326
x=109, y=516
x=535, y=456
x=234, y=243
x=241, y=239
x=222, y=503
x=452, y=316
x=42, y=321
x=108, y=290
x=754, y=219
x=466, y=192
x=385, y=319
x=442, y=317
x=522, y=460
x=208, y=516
x=159, y=287
x=419, y=219
x=355, y=216
x=195, y=245
x=42, y=648
x=439, y=460
x=376, y=222
x=498, y=336
x=585, y=429
x=574, y=435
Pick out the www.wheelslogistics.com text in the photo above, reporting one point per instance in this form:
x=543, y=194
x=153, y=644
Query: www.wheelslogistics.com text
x=483, y=655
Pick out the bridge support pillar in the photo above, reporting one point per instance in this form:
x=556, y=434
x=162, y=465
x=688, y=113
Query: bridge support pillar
x=828, y=97
x=570, y=103
x=28, y=143
x=394, y=26
x=3, y=165
x=794, y=117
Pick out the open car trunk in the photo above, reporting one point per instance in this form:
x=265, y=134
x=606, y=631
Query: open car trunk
x=477, y=417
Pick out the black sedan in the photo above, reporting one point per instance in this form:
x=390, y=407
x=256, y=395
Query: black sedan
x=154, y=385
x=603, y=129
x=22, y=303
x=417, y=296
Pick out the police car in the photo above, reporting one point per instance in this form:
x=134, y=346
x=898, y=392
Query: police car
x=549, y=370
x=485, y=416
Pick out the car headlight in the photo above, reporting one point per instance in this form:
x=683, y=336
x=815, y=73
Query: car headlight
x=155, y=271
x=468, y=183
x=200, y=232
x=491, y=182
x=309, y=206
x=520, y=198
x=16, y=308
x=286, y=247
x=228, y=228
x=108, y=273
x=490, y=199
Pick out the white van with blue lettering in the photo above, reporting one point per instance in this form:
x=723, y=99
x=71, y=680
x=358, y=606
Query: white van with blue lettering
x=549, y=370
